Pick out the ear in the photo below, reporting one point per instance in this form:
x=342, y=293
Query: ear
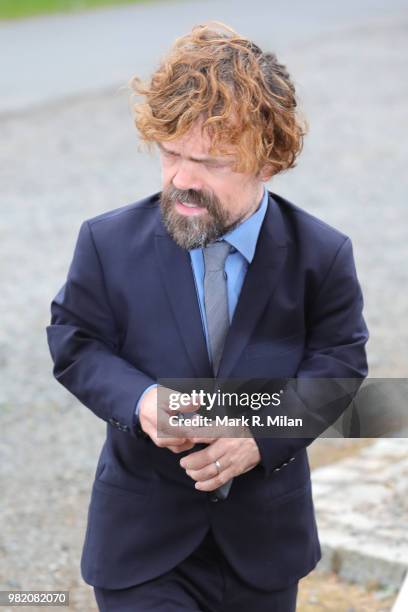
x=265, y=173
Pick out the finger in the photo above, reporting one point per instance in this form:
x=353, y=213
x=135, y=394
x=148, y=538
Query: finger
x=196, y=460
x=162, y=441
x=169, y=421
x=203, y=457
x=189, y=408
x=209, y=471
x=170, y=427
x=196, y=433
x=167, y=428
x=179, y=410
x=164, y=403
x=201, y=439
x=207, y=433
x=180, y=449
x=213, y=483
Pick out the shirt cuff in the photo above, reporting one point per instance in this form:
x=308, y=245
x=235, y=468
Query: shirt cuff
x=139, y=431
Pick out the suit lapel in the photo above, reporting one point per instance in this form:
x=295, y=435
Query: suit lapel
x=260, y=281
x=178, y=279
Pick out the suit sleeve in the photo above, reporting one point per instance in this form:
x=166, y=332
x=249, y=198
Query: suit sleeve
x=83, y=342
x=335, y=349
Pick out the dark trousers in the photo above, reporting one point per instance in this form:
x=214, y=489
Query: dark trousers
x=204, y=582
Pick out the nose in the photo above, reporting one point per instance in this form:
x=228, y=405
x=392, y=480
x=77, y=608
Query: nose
x=187, y=176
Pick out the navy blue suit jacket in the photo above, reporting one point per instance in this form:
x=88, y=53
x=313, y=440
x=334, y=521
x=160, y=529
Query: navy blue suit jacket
x=128, y=315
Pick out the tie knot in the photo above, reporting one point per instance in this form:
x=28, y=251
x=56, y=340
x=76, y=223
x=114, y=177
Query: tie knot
x=215, y=255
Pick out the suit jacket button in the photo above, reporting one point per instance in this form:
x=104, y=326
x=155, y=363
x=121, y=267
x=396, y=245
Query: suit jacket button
x=214, y=498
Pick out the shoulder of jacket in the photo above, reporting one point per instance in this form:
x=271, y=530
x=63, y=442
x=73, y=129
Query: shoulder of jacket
x=149, y=203
x=307, y=222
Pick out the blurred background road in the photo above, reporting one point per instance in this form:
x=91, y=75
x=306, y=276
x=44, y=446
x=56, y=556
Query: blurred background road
x=70, y=151
x=47, y=58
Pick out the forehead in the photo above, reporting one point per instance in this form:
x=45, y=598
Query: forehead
x=196, y=143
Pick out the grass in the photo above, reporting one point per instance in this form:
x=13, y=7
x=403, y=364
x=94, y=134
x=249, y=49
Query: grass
x=14, y=9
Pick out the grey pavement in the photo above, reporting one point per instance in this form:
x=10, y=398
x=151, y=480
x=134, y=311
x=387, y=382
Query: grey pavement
x=67, y=158
x=361, y=508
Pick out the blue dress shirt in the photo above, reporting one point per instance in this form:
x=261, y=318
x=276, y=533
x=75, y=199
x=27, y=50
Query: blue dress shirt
x=243, y=239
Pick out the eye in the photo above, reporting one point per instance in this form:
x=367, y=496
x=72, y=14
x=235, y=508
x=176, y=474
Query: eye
x=217, y=166
x=169, y=154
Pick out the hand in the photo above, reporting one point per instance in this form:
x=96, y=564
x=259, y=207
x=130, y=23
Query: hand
x=235, y=455
x=152, y=410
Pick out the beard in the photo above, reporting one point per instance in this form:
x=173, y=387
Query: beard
x=191, y=232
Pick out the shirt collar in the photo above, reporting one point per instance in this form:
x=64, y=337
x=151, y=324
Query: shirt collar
x=245, y=236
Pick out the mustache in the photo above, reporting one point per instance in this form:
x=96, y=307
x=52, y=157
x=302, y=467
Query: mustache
x=190, y=196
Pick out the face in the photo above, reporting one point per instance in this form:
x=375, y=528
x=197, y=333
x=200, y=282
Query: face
x=202, y=197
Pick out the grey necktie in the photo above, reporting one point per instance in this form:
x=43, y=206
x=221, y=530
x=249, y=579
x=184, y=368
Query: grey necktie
x=216, y=308
x=216, y=298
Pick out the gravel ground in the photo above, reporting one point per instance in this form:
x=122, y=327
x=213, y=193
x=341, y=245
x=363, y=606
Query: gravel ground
x=66, y=162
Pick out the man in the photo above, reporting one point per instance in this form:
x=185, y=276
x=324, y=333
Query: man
x=213, y=276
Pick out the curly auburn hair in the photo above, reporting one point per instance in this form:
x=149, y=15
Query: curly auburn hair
x=244, y=96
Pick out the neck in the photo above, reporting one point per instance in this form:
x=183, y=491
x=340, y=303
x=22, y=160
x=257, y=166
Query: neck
x=257, y=202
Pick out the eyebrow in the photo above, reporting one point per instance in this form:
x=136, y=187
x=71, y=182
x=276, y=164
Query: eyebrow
x=196, y=159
